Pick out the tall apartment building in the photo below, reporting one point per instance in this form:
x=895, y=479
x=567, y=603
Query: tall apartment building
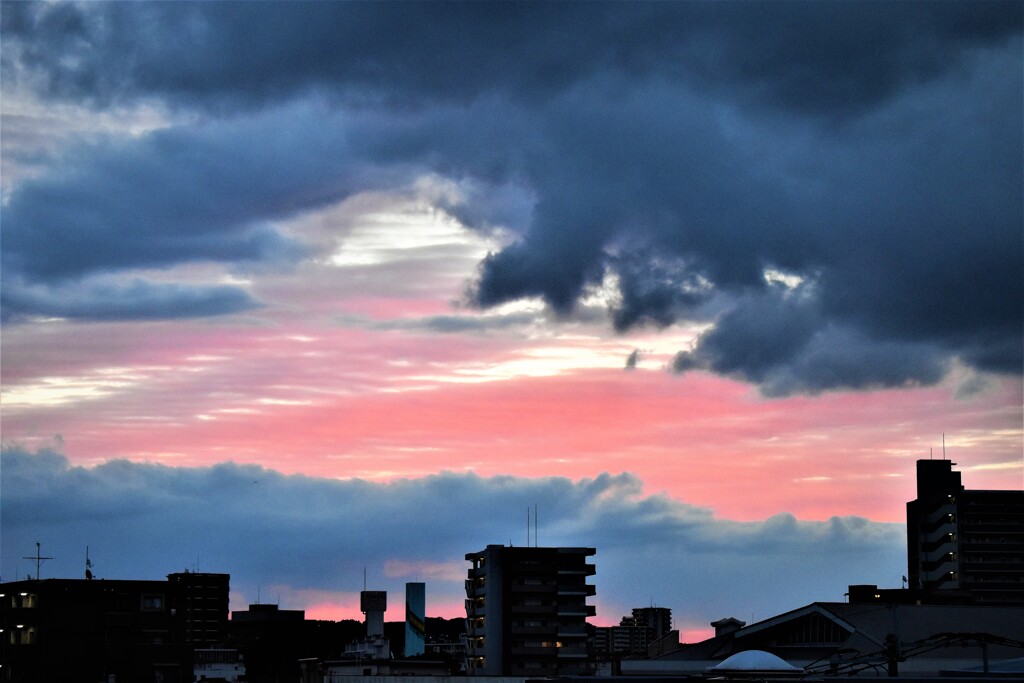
x=526, y=611
x=959, y=540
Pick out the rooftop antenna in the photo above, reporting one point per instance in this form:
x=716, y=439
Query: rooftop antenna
x=536, y=541
x=364, y=577
x=527, y=526
x=38, y=558
x=943, y=445
x=931, y=453
x=88, y=565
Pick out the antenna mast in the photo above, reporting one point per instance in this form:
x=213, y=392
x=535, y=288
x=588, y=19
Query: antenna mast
x=38, y=558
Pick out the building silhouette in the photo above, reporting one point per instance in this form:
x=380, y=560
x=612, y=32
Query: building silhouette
x=635, y=633
x=843, y=639
x=526, y=611
x=90, y=630
x=961, y=542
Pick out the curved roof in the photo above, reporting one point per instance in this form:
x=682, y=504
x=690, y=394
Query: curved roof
x=754, y=660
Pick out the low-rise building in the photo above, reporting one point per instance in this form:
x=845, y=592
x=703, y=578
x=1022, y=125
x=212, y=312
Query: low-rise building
x=827, y=638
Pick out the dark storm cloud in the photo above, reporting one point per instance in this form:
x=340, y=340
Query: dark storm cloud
x=821, y=57
x=781, y=342
x=174, y=196
x=655, y=291
x=207, y=193
x=145, y=520
x=873, y=149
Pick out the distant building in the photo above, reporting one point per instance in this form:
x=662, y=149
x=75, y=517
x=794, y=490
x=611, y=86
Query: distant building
x=415, y=618
x=634, y=634
x=264, y=614
x=222, y=665
x=658, y=619
x=372, y=656
x=373, y=605
x=967, y=542
x=526, y=611
x=92, y=630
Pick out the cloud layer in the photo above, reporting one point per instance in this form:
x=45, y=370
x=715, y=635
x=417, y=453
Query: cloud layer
x=310, y=538
x=836, y=187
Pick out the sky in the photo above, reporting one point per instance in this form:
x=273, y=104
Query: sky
x=303, y=292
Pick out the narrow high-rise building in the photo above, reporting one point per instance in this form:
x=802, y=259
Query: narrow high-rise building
x=526, y=611
x=415, y=618
x=970, y=541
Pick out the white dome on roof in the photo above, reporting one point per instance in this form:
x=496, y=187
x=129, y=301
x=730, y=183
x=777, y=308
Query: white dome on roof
x=754, y=660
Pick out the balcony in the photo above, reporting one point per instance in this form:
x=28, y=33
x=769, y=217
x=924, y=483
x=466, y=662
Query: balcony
x=577, y=611
x=530, y=630
x=533, y=589
x=539, y=610
x=545, y=652
x=571, y=633
x=587, y=570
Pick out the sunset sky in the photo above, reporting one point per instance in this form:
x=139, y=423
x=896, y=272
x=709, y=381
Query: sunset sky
x=292, y=290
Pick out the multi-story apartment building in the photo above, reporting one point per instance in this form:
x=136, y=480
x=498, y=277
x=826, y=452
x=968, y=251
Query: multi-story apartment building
x=657, y=619
x=91, y=630
x=967, y=541
x=526, y=611
x=635, y=633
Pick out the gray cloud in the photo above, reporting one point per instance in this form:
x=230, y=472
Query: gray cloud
x=95, y=299
x=684, y=148
x=145, y=520
x=174, y=196
x=205, y=193
x=781, y=341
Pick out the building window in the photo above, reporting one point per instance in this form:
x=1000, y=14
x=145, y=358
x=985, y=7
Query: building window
x=26, y=600
x=152, y=602
x=22, y=635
